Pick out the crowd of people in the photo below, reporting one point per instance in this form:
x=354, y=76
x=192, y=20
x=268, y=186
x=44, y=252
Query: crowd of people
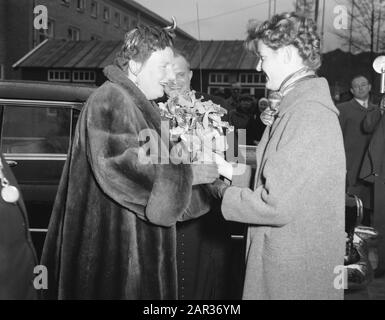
x=125, y=229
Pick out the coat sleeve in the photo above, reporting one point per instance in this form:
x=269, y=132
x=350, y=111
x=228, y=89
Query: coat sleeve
x=113, y=146
x=371, y=120
x=286, y=173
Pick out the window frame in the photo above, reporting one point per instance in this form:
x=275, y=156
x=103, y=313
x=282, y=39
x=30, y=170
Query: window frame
x=84, y=72
x=106, y=9
x=81, y=8
x=221, y=76
x=73, y=106
x=58, y=79
x=117, y=19
x=94, y=15
x=74, y=29
x=256, y=78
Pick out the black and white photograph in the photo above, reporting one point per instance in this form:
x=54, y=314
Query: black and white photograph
x=192, y=155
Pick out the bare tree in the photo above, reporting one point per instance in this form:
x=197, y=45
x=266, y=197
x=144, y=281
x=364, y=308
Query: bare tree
x=367, y=25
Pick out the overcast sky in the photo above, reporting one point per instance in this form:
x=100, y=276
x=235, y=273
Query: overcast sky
x=227, y=19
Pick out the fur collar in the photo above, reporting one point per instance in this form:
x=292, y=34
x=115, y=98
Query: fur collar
x=149, y=108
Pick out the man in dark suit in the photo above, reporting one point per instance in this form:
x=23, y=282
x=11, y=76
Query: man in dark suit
x=373, y=171
x=17, y=254
x=204, y=246
x=356, y=140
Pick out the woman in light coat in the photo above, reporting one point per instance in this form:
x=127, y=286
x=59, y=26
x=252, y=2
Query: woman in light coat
x=296, y=239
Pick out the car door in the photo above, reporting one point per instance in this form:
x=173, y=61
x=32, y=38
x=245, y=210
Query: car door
x=35, y=137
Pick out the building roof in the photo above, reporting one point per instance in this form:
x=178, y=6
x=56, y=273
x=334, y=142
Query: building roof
x=94, y=54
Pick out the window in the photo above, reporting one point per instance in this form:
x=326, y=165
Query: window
x=1, y=71
x=94, y=9
x=251, y=78
x=117, y=19
x=126, y=23
x=49, y=33
x=59, y=75
x=73, y=34
x=65, y=2
x=34, y=130
x=83, y=76
x=134, y=23
x=81, y=5
x=219, y=78
x=106, y=14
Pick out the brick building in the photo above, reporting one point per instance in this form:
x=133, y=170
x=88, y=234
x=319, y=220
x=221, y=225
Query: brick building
x=70, y=20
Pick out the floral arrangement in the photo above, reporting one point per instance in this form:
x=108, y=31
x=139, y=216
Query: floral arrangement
x=196, y=123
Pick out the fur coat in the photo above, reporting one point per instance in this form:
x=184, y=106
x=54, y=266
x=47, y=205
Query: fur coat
x=112, y=231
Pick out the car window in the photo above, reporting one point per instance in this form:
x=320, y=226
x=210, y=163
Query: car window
x=35, y=130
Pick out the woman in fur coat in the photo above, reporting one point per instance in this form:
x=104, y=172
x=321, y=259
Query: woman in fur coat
x=112, y=230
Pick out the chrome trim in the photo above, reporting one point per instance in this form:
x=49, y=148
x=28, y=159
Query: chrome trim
x=41, y=103
x=38, y=230
x=35, y=156
x=237, y=237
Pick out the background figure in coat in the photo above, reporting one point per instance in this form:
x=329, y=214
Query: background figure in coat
x=112, y=232
x=295, y=212
x=17, y=254
x=356, y=140
x=204, y=248
x=247, y=116
x=373, y=171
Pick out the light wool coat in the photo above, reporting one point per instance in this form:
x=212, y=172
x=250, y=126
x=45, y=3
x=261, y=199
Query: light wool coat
x=296, y=237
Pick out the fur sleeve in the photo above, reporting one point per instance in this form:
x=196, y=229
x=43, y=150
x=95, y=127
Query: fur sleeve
x=159, y=193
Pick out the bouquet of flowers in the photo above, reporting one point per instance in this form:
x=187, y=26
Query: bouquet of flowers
x=196, y=123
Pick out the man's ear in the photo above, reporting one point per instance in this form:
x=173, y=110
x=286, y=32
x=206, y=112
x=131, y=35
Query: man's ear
x=370, y=87
x=134, y=67
x=351, y=91
x=190, y=75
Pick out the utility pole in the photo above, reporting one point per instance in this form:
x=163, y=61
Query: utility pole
x=316, y=11
x=379, y=28
x=323, y=23
x=269, y=8
x=351, y=28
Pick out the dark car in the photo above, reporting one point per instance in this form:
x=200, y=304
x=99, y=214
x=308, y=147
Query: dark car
x=37, y=121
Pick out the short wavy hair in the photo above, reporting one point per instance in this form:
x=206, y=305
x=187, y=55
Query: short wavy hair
x=288, y=29
x=141, y=42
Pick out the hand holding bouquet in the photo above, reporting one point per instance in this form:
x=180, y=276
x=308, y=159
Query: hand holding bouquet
x=198, y=125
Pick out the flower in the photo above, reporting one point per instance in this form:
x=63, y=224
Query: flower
x=195, y=122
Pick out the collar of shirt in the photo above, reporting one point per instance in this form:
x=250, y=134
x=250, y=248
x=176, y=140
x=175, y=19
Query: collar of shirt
x=364, y=103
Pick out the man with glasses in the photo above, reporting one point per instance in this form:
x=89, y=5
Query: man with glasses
x=356, y=140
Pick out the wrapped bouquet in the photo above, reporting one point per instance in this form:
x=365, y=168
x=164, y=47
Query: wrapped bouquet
x=197, y=124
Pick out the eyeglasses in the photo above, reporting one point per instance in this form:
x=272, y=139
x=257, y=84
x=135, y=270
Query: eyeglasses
x=363, y=85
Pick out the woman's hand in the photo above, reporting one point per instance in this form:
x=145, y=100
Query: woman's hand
x=225, y=168
x=204, y=173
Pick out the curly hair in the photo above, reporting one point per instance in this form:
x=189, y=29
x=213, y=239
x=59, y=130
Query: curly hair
x=288, y=29
x=141, y=42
